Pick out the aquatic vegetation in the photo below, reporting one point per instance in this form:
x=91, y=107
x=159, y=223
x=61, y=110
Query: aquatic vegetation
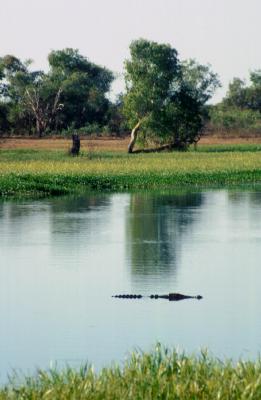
x=54, y=172
x=160, y=374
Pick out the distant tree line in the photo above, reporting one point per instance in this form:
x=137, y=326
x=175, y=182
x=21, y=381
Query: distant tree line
x=165, y=102
x=240, y=110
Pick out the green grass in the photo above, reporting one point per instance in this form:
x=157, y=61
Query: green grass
x=161, y=374
x=36, y=172
x=220, y=148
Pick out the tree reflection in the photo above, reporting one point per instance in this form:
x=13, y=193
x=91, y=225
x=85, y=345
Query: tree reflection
x=55, y=218
x=72, y=214
x=250, y=196
x=155, y=226
x=1, y=209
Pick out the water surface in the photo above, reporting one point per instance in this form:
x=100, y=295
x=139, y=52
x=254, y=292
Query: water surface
x=62, y=259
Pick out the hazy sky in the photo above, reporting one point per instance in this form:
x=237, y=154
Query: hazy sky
x=224, y=33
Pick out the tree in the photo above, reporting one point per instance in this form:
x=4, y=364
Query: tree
x=236, y=95
x=71, y=94
x=43, y=103
x=4, y=123
x=164, y=97
x=84, y=87
x=200, y=79
x=255, y=78
x=243, y=96
x=31, y=96
x=115, y=121
x=149, y=75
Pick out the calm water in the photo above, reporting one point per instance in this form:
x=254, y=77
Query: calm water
x=62, y=259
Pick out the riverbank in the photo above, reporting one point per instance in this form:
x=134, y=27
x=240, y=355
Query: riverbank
x=160, y=374
x=109, y=143
x=31, y=172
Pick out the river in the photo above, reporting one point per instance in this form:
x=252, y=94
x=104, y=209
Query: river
x=62, y=259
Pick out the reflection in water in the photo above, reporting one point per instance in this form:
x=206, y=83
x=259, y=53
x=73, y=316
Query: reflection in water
x=238, y=197
x=71, y=218
x=80, y=204
x=62, y=259
x=71, y=215
x=155, y=225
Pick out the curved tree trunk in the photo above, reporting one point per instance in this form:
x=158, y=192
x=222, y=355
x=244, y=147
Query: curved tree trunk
x=164, y=147
x=134, y=134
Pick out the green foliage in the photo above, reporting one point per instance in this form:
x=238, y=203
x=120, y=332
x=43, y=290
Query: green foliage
x=84, y=86
x=149, y=76
x=71, y=94
x=200, y=79
x=255, y=78
x=236, y=95
x=10, y=65
x=245, y=97
x=31, y=97
x=240, y=111
x=54, y=172
x=234, y=120
x=115, y=121
x=166, y=97
x=4, y=123
x=160, y=374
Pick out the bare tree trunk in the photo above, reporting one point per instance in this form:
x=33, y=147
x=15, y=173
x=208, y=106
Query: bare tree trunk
x=38, y=128
x=44, y=117
x=76, y=144
x=134, y=134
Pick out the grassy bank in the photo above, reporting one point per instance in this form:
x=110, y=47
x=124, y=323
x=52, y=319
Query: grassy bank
x=160, y=374
x=41, y=172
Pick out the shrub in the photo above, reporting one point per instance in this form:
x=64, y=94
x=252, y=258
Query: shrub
x=234, y=120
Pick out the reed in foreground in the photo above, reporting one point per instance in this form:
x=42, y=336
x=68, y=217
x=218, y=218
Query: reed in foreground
x=161, y=374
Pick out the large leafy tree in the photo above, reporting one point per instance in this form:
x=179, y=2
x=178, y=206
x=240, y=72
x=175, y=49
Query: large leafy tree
x=71, y=94
x=84, y=87
x=164, y=97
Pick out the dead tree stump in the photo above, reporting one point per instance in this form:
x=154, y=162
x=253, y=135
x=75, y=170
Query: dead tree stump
x=76, y=144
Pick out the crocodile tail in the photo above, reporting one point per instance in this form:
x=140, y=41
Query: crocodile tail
x=128, y=296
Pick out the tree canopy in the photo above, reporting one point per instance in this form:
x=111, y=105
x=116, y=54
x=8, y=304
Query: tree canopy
x=164, y=101
x=164, y=97
x=245, y=96
x=72, y=93
x=84, y=86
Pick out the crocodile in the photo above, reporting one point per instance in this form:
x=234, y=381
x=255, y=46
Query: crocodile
x=170, y=296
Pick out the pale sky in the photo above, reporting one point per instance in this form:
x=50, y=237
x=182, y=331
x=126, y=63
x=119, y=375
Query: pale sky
x=224, y=33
